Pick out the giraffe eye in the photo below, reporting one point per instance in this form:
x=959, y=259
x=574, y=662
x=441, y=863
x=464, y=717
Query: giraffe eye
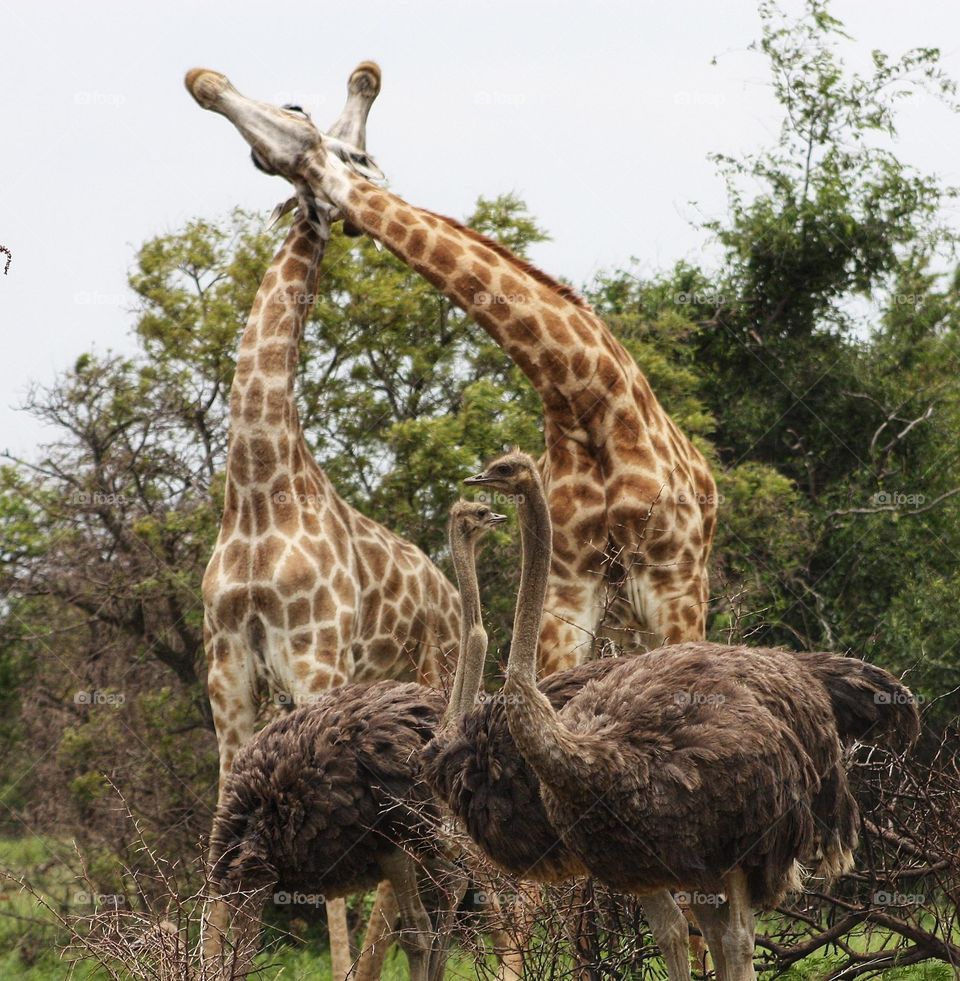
x=296, y=109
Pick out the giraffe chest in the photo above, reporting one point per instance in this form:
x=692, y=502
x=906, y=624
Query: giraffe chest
x=292, y=579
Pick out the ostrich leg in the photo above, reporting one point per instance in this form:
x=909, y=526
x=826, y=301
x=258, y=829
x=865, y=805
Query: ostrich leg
x=340, y=960
x=380, y=934
x=739, y=932
x=669, y=928
x=712, y=923
x=416, y=931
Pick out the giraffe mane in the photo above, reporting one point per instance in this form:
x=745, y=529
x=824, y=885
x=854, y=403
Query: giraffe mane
x=567, y=292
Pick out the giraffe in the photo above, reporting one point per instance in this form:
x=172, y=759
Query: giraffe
x=302, y=592
x=632, y=499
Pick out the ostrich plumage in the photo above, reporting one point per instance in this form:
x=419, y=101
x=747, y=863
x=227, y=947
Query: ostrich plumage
x=702, y=767
x=330, y=800
x=709, y=757
x=476, y=770
x=318, y=797
x=326, y=801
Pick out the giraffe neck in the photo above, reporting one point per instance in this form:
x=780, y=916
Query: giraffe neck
x=265, y=434
x=545, y=328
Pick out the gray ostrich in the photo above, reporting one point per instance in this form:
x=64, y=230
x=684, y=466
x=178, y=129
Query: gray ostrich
x=474, y=767
x=710, y=768
x=329, y=800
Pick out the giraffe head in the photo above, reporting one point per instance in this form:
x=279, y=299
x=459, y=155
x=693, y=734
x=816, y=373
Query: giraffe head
x=284, y=140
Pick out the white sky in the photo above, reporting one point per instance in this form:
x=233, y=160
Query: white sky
x=600, y=115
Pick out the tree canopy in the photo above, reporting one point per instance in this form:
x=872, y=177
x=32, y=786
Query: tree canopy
x=816, y=366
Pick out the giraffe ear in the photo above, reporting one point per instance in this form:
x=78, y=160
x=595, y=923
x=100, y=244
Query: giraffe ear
x=357, y=160
x=280, y=210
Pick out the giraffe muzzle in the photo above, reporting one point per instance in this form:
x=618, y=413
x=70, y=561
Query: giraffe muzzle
x=206, y=86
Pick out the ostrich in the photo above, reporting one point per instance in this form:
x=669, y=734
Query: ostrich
x=329, y=800
x=711, y=768
x=473, y=766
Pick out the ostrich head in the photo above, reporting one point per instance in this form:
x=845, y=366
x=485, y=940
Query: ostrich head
x=470, y=520
x=514, y=473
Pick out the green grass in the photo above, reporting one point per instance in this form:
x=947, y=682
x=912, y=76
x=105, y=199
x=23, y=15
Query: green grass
x=31, y=940
x=293, y=964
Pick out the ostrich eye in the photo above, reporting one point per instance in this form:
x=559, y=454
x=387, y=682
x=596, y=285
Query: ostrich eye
x=483, y=512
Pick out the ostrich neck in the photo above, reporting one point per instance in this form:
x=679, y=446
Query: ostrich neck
x=536, y=538
x=546, y=744
x=473, y=638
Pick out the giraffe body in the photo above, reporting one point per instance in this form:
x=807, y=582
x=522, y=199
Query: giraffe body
x=632, y=500
x=302, y=591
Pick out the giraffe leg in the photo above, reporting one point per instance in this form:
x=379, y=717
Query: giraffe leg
x=416, y=934
x=739, y=930
x=234, y=710
x=673, y=613
x=231, y=936
x=669, y=928
x=698, y=947
x=380, y=934
x=213, y=933
x=232, y=732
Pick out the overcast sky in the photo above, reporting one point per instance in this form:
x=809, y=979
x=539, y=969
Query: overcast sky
x=600, y=115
